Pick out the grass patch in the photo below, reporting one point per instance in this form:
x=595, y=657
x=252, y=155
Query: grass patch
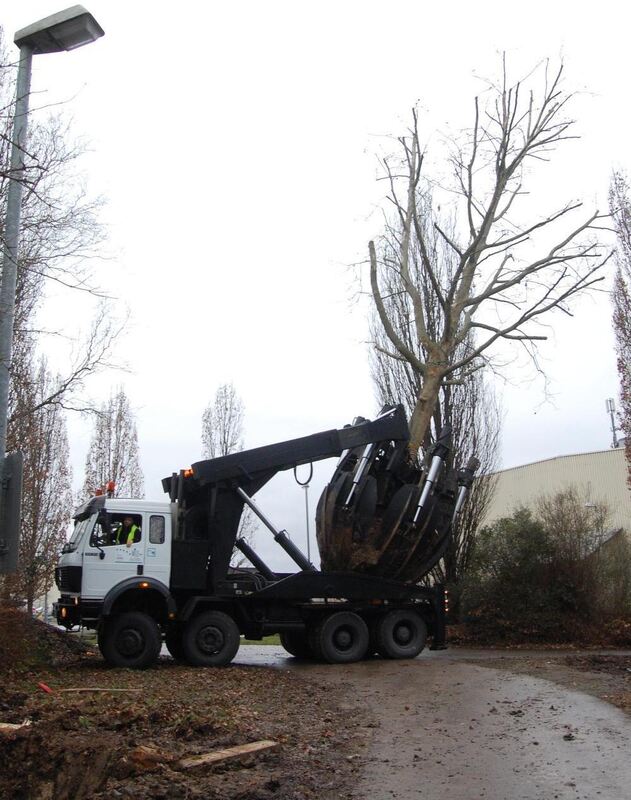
x=274, y=639
x=85, y=636
x=89, y=637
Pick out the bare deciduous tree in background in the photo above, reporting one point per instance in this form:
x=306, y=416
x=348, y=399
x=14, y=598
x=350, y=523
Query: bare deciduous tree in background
x=222, y=423
x=469, y=408
x=620, y=208
x=114, y=454
x=509, y=273
x=46, y=497
x=222, y=434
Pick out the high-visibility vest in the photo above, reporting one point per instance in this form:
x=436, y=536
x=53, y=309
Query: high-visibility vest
x=130, y=536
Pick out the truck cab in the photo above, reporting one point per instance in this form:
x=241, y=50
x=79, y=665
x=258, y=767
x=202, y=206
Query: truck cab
x=101, y=562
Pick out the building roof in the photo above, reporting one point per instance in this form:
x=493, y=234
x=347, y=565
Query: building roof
x=557, y=458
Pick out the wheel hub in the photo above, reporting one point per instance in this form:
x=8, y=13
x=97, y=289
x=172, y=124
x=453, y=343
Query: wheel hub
x=403, y=634
x=343, y=638
x=210, y=640
x=130, y=642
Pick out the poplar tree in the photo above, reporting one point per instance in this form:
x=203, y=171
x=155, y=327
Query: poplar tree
x=222, y=434
x=114, y=453
x=620, y=208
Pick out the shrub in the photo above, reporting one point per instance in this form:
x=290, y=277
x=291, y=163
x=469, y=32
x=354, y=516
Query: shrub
x=549, y=573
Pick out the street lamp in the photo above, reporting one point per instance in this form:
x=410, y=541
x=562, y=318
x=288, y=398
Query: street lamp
x=65, y=30
x=305, y=486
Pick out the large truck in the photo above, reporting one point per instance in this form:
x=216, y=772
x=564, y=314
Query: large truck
x=142, y=572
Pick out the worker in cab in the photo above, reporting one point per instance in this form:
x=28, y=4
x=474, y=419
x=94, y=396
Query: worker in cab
x=128, y=533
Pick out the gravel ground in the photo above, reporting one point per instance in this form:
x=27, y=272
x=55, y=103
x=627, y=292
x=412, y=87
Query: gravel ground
x=605, y=675
x=446, y=726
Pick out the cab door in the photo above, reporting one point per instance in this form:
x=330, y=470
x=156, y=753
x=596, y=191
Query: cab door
x=158, y=547
x=106, y=562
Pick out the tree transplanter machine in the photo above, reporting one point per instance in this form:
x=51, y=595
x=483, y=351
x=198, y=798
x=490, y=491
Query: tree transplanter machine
x=173, y=579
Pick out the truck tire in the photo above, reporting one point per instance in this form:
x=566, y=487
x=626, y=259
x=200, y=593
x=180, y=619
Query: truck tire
x=173, y=639
x=211, y=639
x=371, y=650
x=100, y=635
x=340, y=638
x=400, y=634
x=296, y=643
x=130, y=640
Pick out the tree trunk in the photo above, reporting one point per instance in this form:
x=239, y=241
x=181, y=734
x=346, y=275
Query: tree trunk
x=424, y=409
x=30, y=599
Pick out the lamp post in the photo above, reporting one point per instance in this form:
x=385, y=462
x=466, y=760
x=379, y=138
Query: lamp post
x=65, y=30
x=306, y=488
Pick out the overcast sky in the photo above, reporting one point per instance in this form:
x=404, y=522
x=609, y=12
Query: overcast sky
x=235, y=144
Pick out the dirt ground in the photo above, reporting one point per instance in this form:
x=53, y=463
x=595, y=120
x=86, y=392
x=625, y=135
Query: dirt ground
x=342, y=731
x=85, y=745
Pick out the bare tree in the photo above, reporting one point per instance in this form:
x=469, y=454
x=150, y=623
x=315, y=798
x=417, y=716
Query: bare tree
x=222, y=423
x=114, y=454
x=222, y=434
x=468, y=408
x=620, y=208
x=508, y=276
x=47, y=498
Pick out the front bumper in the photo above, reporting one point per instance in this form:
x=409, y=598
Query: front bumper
x=72, y=610
x=68, y=610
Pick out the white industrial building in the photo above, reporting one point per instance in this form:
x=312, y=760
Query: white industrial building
x=601, y=476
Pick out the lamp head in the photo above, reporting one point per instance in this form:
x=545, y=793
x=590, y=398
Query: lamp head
x=65, y=30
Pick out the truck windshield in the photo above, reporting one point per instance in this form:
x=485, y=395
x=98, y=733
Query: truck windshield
x=81, y=526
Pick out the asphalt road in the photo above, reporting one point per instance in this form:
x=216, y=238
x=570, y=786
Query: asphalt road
x=444, y=727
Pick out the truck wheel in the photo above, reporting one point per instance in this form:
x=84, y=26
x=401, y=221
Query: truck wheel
x=130, y=640
x=211, y=639
x=296, y=643
x=173, y=639
x=340, y=638
x=372, y=638
x=100, y=635
x=400, y=634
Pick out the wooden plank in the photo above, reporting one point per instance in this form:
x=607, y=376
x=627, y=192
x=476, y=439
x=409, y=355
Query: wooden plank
x=149, y=758
x=9, y=727
x=218, y=756
x=95, y=689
